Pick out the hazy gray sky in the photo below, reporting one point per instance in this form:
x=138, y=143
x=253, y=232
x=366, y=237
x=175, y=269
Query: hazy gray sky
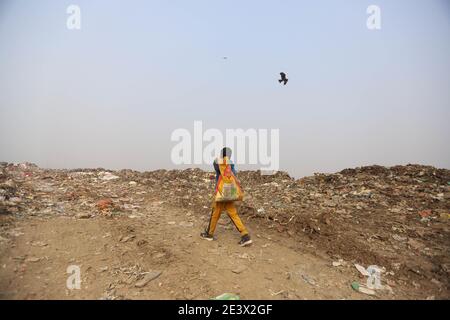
x=110, y=95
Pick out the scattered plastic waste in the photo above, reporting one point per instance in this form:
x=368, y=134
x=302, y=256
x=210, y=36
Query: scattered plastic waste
x=227, y=296
x=358, y=287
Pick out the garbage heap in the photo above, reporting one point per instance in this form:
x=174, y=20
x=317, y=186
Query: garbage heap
x=396, y=217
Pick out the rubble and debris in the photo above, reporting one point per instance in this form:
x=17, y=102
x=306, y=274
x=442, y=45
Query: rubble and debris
x=362, y=270
x=338, y=263
x=425, y=213
x=149, y=276
x=104, y=204
x=127, y=238
x=239, y=269
x=103, y=269
x=227, y=296
x=83, y=215
x=272, y=293
x=391, y=216
x=107, y=176
x=308, y=279
x=361, y=288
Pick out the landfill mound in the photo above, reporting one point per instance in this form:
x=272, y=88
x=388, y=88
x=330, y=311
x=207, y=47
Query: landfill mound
x=396, y=217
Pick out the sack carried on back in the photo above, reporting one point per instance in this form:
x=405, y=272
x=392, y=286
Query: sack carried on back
x=228, y=187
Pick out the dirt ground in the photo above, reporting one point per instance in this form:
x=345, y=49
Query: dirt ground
x=111, y=251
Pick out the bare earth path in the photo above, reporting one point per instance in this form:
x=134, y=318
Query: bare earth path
x=113, y=253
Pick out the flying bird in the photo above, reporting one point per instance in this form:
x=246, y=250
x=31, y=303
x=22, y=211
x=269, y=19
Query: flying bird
x=283, y=78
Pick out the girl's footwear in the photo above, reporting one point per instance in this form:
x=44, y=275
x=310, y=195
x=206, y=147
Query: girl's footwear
x=205, y=235
x=245, y=241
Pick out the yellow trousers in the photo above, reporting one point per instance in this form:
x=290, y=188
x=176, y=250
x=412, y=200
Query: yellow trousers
x=217, y=209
